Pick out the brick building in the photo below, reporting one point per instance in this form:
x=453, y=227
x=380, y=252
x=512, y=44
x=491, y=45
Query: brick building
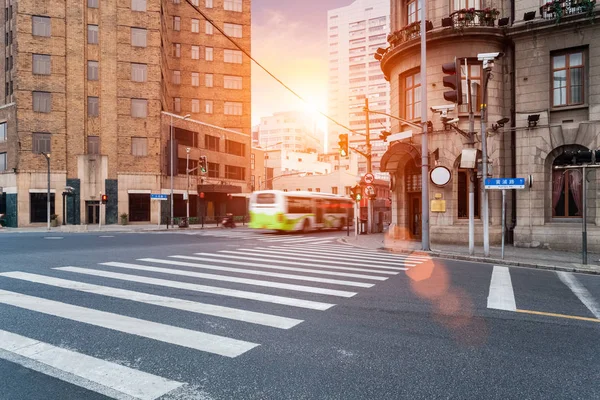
x=545, y=84
x=99, y=85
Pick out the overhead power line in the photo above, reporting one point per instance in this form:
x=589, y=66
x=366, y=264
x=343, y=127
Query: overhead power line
x=210, y=21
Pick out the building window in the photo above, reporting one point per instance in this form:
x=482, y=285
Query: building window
x=208, y=106
x=176, y=23
x=42, y=102
x=3, y=132
x=176, y=1
x=93, y=106
x=195, y=106
x=211, y=142
x=208, y=53
x=235, y=148
x=41, y=143
x=93, y=144
x=213, y=170
x=234, y=172
x=413, y=11
x=92, y=31
x=232, y=82
x=461, y=4
x=139, y=72
x=347, y=190
x=208, y=3
x=233, y=5
x=138, y=5
x=195, y=25
x=176, y=50
x=41, y=26
x=92, y=3
x=139, y=146
x=176, y=79
x=233, y=108
x=208, y=80
x=195, y=52
x=41, y=64
x=412, y=96
x=232, y=56
x=3, y=162
x=177, y=104
x=139, y=108
x=233, y=30
x=334, y=190
x=139, y=207
x=463, y=195
x=475, y=77
x=38, y=206
x=195, y=3
x=208, y=29
x=92, y=70
x=568, y=79
x=195, y=79
x=252, y=161
x=567, y=190
x=138, y=37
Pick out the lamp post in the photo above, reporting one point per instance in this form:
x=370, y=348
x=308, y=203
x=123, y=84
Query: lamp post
x=171, y=162
x=47, y=155
x=187, y=188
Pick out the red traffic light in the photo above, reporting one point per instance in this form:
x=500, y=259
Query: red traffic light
x=104, y=199
x=453, y=80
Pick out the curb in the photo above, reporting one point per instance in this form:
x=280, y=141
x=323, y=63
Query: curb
x=487, y=260
x=141, y=230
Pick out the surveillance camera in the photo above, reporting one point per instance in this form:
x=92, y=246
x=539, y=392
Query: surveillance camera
x=70, y=188
x=453, y=121
x=446, y=108
x=489, y=56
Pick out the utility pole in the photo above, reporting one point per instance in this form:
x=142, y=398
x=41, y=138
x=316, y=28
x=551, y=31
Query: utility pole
x=471, y=175
x=424, y=144
x=187, y=188
x=47, y=155
x=487, y=66
x=369, y=167
x=171, y=168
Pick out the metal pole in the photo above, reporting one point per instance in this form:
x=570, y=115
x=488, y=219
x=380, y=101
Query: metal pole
x=424, y=144
x=187, y=188
x=171, y=163
x=471, y=175
x=484, y=156
x=100, y=213
x=369, y=167
x=48, y=195
x=584, y=219
x=347, y=221
x=503, y=218
x=64, y=209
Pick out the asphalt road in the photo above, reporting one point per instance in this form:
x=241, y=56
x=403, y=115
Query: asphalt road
x=243, y=315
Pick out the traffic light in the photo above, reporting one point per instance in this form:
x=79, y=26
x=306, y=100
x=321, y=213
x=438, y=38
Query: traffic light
x=429, y=127
x=344, y=146
x=356, y=193
x=453, y=80
x=203, y=164
x=104, y=199
x=384, y=135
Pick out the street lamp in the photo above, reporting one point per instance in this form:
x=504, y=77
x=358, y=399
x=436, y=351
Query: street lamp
x=171, y=163
x=187, y=188
x=47, y=155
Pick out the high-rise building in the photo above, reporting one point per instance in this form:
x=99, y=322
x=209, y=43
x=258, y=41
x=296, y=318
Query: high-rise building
x=355, y=32
x=99, y=87
x=291, y=130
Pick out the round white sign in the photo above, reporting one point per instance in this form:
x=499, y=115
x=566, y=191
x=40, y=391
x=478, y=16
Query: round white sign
x=440, y=176
x=369, y=178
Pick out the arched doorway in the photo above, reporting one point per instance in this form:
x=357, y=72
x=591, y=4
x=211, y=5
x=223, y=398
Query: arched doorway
x=413, y=187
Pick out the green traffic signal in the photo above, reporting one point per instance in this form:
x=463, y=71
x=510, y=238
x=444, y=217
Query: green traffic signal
x=344, y=145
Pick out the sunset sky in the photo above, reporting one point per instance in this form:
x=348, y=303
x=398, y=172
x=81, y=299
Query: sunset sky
x=290, y=39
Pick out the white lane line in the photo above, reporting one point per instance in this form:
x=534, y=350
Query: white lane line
x=223, y=278
x=368, y=253
x=240, y=294
x=337, y=259
x=287, y=239
x=242, y=256
x=502, y=296
x=106, y=236
x=169, y=302
x=580, y=291
x=322, y=242
x=100, y=376
x=220, y=345
x=252, y=271
x=359, y=256
x=356, y=250
x=53, y=237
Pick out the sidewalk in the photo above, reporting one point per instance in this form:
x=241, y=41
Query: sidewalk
x=517, y=256
x=107, y=228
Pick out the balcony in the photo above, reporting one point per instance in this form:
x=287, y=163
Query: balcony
x=471, y=18
x=561, y=8
x=408, y=33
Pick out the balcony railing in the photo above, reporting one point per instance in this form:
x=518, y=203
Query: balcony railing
x=471, y=17
x=560, y=8
x=409, y=32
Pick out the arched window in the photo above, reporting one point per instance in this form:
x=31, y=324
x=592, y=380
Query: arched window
x=567, y=194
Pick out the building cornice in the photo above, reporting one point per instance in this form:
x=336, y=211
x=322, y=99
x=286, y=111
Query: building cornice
x=568, y=22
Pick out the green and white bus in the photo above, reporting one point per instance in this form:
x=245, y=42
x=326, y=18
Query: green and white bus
x=299, y=211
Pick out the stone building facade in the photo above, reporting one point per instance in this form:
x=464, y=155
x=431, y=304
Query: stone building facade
x=544, y=84
x=93, y=84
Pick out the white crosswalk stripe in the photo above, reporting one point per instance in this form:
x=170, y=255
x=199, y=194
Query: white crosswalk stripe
x=323, y=265
x=263, y=237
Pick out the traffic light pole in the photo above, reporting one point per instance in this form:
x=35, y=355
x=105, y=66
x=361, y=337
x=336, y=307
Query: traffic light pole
x=369, y=167
x=424, y=144
x=472, y=174
x=484, y=167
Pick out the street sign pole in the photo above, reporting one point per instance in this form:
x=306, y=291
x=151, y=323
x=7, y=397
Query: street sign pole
x=369, y=167
x=584, y=219
x=425, y=243
x=503, y=184
x=503, y=218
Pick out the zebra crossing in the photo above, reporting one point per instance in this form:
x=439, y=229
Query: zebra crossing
x=287, y=283
x=261, y=237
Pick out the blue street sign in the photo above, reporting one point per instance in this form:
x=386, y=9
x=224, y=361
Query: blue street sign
x=159, y=197
x=505, y=183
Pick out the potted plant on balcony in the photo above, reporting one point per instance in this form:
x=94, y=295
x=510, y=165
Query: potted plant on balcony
x=587, y=6
x=489, y=15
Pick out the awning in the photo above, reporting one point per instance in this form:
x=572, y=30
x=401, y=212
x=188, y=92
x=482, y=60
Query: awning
x=397, y=154
x=219, y=189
